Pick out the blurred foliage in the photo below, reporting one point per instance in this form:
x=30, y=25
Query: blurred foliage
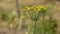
x=4, y=15
x=50, y=26
x=9, y=19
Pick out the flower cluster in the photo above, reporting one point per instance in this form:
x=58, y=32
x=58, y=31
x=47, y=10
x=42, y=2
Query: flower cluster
x=36, y=8
x=35, y=11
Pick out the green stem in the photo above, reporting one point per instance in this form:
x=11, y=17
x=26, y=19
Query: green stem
x=35, y=27
x=43, y=25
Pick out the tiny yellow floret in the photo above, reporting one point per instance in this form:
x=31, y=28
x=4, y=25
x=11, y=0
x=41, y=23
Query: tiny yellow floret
x=22, y=17
x=27, y=8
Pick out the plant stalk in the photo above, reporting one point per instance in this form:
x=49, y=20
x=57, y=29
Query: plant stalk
x=35, y=27
x=18, y=11
x=43, y=25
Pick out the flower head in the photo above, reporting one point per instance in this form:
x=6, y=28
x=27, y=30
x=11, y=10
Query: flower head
x=27, y=8
x=22, y=17
x=32, y=7
x=40, y=7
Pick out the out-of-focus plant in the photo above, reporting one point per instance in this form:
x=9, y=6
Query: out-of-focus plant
x=51, y=25
x=5, y=17
x=34, y=13
x=22, y=21
x=44, y=10
x=11, y=19
x=3, y=14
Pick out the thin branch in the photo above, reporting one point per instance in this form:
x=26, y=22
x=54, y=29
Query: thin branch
x=18, y=11
x=17, y=7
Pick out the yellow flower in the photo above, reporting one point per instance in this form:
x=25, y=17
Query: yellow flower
x=26, y=32
x=27, y=8
x=32, y=7
x=40, y=7
x=22, y=17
